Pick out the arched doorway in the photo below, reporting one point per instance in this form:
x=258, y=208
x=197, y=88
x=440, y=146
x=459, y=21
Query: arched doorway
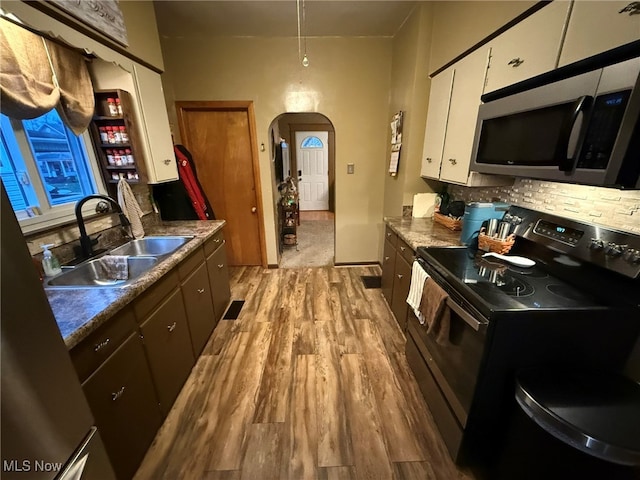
x=303, y=152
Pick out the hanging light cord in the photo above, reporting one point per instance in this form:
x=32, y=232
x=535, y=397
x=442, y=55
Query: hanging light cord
x=304, y=27
x=298, y=17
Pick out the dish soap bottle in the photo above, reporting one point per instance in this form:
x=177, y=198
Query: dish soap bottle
x=50, y=264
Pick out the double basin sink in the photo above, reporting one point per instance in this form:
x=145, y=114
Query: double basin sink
x=142, y=254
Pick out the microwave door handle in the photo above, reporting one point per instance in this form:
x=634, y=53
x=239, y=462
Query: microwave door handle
x=568, y=143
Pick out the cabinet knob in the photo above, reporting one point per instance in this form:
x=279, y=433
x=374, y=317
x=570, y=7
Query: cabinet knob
x=400, y=277
x=166, y=161
x=516, y=62
x=632, y=9
x=402, y=248
x=453, y=161
x=429, y=159
x=201, y=290
x=388, y=234
x=254, y=209
x=386, y=259
x=101, y=345
x=172, y=327
x=116, y=395
x=220, y=265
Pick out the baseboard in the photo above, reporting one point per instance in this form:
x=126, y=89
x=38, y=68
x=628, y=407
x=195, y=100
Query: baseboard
x=355, y=264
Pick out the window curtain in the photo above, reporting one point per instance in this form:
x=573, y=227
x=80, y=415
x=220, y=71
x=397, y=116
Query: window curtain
x=38, y=75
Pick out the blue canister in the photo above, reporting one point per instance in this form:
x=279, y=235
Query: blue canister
x=475, y=213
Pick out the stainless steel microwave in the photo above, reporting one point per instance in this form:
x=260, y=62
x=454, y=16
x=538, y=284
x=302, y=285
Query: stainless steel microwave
x=582, y=129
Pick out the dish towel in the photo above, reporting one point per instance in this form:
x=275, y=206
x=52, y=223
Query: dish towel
x=418, y=277
x=435, y=310
x=130, y=208
x=115, y=267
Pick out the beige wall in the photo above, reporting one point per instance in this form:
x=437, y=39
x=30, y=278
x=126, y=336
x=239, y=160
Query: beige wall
x=458, y=26
x=348, y=81
x=409, y=93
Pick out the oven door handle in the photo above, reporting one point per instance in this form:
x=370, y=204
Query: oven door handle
x=468, y=319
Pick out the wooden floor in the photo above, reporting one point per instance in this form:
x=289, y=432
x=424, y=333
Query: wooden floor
x=310, y=382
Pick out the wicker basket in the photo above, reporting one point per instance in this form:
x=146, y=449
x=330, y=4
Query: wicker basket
x=493, y=244
x=450, y=223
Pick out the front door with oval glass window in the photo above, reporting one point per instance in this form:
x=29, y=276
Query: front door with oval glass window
x=312, y=155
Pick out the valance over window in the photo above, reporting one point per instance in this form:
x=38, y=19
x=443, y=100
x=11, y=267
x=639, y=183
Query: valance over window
x=37, y=75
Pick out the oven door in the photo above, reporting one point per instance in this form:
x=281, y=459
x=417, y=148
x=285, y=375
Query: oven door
x=454, y=364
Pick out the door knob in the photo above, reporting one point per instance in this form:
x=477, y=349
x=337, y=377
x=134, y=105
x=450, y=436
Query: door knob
x=254, y=209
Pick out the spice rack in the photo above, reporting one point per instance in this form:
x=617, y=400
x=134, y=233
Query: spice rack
x=115, y=137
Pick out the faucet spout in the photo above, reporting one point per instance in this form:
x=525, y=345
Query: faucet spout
x=85, y=240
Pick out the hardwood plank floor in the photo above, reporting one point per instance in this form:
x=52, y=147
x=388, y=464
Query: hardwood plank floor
x=309, y=382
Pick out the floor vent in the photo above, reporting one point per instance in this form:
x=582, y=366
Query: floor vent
x=234, y=310
x=372, y=281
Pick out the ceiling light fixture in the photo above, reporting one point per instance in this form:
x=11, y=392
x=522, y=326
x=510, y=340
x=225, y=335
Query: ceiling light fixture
x=305, y=59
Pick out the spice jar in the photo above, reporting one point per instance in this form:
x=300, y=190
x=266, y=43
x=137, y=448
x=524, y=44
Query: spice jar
x=118, y=106
x=104, y=138
x=124, y=136
x=113, y=108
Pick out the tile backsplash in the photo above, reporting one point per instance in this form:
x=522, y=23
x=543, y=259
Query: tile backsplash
x=619, y=209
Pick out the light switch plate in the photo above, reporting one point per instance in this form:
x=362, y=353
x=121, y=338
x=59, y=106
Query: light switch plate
x=350, y=168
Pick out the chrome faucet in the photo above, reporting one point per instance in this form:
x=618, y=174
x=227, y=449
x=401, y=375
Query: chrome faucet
x=85, y=240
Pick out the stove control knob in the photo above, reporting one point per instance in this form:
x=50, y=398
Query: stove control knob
x=614, y=250
x=516, y=220
x=632, y=256
x=596, y=244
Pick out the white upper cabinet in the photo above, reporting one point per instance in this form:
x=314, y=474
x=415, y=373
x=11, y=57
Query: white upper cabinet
x=161, y=164
x=598, y=26
x=529, y=48
x=463, y=112
x=439, y=98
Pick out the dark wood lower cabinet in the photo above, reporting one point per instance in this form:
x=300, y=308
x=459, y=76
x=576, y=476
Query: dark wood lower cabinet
x=119, y=392
x=401, y=285
x=168, y=345
x=196, y=292
x=388, y=269
x=219, y=278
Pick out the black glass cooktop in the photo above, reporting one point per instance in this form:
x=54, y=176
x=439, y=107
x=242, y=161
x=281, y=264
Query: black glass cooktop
x=500, y=286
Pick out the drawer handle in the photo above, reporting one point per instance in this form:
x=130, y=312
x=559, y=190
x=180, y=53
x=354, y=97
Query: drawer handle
x=453, y=161
x=201, y=290
x=429, y=160
x=171, y=327
x=516, y=62
x=101, y=345
x=632, y=9
x=115, y=396
x=166, y=161
x=220, y=265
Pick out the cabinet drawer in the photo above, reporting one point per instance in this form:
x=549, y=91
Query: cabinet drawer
x=405, y=250
x=390, y=235
x=219, y=278
x=89, y=354
x=124, y=405
x=189, y=264
x=154, y=295
x=214, y=243
x=168, y=345
x=196, y=293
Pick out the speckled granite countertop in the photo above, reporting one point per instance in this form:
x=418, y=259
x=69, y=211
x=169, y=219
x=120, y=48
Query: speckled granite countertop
x=422, y=232
x=80, y=311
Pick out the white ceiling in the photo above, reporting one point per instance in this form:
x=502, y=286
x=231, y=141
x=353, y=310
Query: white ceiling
x=183, y=18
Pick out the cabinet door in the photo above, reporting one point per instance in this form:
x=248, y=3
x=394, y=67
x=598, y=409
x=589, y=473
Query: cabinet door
x=463, y=113
x=401, y=284
x=598, y=26
x=161, y=164
x=199, y=306
x=121, y=396
x=219, y=278
x=439, y=98
x=168, y=346
x=529, y=48
x=388, y=270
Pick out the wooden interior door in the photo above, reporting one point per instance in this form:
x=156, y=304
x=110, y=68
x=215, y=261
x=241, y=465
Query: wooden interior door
x=221, y=137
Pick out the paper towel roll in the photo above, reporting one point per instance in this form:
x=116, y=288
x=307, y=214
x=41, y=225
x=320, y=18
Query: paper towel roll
x=423, y=204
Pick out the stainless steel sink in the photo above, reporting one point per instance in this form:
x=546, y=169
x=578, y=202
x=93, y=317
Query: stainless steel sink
x=91, y=274
x=152, y=246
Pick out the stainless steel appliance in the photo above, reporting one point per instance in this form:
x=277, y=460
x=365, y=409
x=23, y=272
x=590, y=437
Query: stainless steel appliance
x=577, y=307
x=47, y=427
x=581, y=129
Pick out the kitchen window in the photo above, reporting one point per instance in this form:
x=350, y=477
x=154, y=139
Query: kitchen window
x=46, y=169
